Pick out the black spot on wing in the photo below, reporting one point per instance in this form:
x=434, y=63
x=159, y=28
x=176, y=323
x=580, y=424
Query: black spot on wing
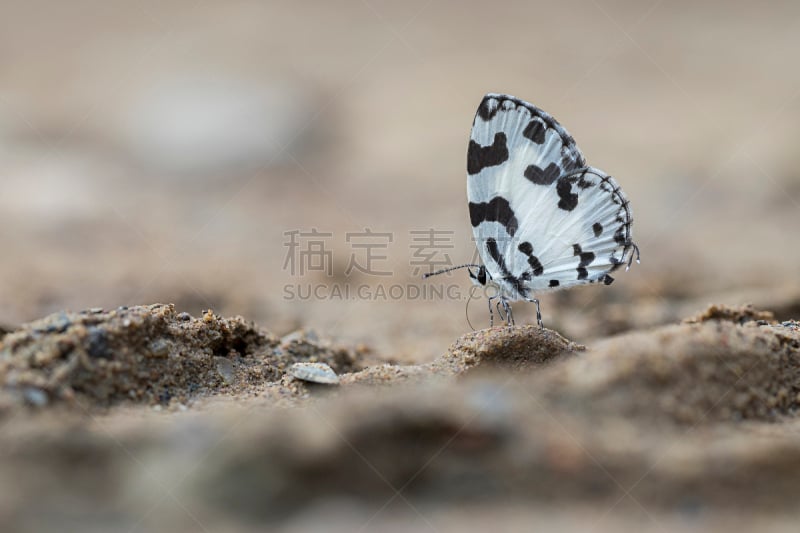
x=554, y=283
x=488, y=108
x=535, y=131
x=527, y=249
x=586, y=260
x=597, y=228
x=541, y=176
x=568, y=199
x=619, y=236
x=536, y=265
x=494, y=253
x=495, y=210
x=583, y=183
x=571, y=162
x=480, y=157
x=608, y=280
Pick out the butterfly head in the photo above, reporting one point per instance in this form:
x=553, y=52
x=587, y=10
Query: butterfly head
x=480, y=277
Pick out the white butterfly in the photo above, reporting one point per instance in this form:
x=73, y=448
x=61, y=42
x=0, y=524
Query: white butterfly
x=542, y=219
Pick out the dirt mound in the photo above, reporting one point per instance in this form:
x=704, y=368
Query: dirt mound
x=518, y=348
x=738, y=314
x=149, y=354
x=711, y=371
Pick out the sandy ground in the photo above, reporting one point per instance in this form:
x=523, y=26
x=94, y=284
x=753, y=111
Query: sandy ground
x=148, y=418
x=164, y=152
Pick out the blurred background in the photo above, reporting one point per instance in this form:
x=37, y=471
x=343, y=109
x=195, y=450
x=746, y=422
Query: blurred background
x=167, y=151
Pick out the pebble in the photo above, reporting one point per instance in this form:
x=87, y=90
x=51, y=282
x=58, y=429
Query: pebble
x=303, y=334
x=314, y=373
x=57, y=324
x=97, y=345
x=292, y=337
x=225, y=369
x=34, y=396
x=159, y=348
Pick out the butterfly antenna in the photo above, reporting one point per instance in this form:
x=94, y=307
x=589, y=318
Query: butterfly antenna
x=426, y=276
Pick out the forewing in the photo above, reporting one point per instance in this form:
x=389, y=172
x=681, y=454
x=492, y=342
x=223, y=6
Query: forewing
x=516, y=154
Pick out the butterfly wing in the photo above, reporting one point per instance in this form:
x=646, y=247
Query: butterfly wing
x=540, y=217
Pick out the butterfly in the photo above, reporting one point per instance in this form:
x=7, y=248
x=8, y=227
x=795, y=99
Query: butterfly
x=542, y=219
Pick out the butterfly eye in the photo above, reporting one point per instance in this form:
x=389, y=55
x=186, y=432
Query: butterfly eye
x=482, y=275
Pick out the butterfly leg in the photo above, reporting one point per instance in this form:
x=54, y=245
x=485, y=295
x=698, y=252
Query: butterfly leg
x=509, y=314
x=538, y=311
x=504, y=310
x=491, y=313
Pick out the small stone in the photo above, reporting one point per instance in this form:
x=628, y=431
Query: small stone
x=225, y=369
x=34, y=396
x=57, y=324
x=294, y=336
x=314, y=372
x=300, y=335
x=159, y=348
x=98, y=347
x=184, y=317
